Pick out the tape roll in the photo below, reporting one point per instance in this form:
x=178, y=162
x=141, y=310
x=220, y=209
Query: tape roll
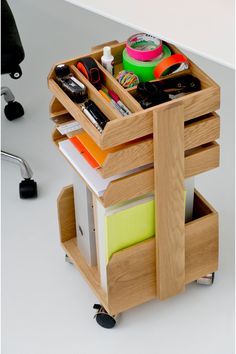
x=144, y=69
x=162, y=68
x=88, y=67
x=144, y=47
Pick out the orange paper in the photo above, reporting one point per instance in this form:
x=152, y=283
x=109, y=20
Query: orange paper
x=86, y=154
x=94, y=150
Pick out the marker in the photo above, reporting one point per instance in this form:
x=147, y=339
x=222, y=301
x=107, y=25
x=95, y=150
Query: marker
x=116, y=98
x=90, y=117
x=112, y=102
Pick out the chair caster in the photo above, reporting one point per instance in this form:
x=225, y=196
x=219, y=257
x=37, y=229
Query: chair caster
x=28, y=189
x=13, y=110
x=103, y=318
x=207, y=279
x=67, y=259
x=16, y=73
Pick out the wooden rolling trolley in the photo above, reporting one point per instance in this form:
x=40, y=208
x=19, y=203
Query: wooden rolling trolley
x=178, y=138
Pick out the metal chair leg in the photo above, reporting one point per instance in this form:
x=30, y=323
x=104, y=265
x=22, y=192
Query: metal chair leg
x=7, y=93
x=25, y=169
x=27, y=187
x=13, y=109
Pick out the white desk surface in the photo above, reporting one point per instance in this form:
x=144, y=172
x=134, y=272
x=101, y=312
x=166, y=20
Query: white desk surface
x=204, y=27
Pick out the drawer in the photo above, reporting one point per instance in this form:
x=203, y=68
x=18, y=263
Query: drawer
x=131, y=272
x=138, y=153
x=120, y=129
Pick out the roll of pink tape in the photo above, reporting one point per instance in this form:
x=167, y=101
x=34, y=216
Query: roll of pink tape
x=144, y=47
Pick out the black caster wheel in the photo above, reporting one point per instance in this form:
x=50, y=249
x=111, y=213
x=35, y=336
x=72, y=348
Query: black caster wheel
x=103, y=318
x=13, y=110
x=28, y=189
x=207, y=279
x=67, y=259
x=16, y=73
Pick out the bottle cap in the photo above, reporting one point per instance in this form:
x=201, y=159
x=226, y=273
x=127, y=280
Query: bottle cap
x=107, y=52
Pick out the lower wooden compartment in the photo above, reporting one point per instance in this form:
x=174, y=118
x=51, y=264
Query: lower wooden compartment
x=131, y=273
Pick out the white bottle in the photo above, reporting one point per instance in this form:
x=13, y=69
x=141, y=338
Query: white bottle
x=108, y=60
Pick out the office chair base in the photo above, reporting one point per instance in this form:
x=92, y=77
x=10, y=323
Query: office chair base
x=28, y=189
x=13, y=110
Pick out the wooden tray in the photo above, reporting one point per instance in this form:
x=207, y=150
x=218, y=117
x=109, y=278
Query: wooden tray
x=197, y=160
x=122, y=129
x=138, y=153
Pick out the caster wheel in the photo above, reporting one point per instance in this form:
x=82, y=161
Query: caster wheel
x=28, y=189
x=16, y=73
x=207, y=279
x=67, y=259
x=13, y=110
x=103, y=318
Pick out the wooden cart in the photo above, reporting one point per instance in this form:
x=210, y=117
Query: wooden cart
x=180, y=142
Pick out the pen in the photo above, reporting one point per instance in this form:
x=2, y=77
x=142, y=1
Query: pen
x=116, y=98
x=112, y=102
x=90, y=117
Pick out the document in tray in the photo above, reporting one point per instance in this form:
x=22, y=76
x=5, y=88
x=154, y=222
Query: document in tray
x=121, y=226
x=89, y=174
x=84, y=217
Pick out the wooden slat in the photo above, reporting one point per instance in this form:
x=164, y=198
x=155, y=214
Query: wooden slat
x=201, y=247
x=55, y=106
x=140, y=124
x=132, y=274
x=129, y=187
x=128, y=158
x=168, y=137
x=66, y=214
x=196, y=132
x=202, y=159
x=201, y=131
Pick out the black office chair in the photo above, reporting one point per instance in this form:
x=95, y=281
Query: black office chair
x=12, y=54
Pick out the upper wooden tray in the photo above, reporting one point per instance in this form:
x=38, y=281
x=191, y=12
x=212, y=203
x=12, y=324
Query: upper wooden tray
x=140, y=123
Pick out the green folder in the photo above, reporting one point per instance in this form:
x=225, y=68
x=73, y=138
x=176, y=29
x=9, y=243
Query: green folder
x=133, y=224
